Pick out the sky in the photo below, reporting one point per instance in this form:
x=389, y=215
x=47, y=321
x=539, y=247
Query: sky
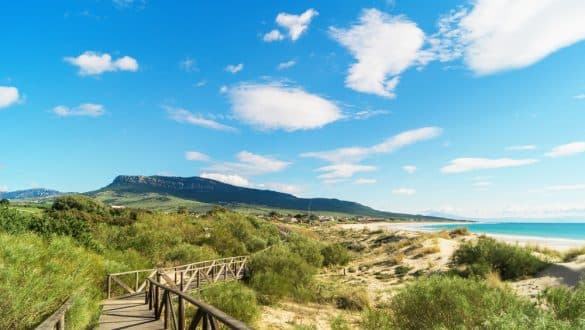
x=474, y=108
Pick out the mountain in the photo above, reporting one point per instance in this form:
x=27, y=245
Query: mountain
x=209, y=191
x=29, y=193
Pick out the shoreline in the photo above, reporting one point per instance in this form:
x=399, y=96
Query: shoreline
x=555, y=243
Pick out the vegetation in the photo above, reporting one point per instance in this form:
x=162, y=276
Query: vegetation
x=335, y=254
x=567, y=303
x=233, y=298
x=487, y=255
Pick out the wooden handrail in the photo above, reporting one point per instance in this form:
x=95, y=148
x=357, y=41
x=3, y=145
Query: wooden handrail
x=57, y=319
x=206, y=314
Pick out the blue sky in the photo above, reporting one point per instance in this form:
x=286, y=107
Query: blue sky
x=465, y=107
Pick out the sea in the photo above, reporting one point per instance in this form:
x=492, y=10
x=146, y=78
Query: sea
x=574, y=231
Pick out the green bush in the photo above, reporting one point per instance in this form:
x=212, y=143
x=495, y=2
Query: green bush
x=308, y=249
x=567, y=303
x=486, y=255
x=455, y=303
x=186, y=253
x=335, y=254
x=353, y=299
x=376, y=319
x=339, y=323
x=234, y=299
x=278, y=272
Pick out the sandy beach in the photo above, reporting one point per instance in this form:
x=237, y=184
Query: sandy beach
x=559, y=244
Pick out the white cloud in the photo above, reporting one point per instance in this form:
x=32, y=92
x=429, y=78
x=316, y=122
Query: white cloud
x=579, y=97
x=93, y=63
x=460, y=165
x=404, y=191
x=410, y=169
x=384, y=47
x=188, y=65
x=201, y=83
x=273, y=35
x=482, y=184
x=250, y=164
x=568, y=187
x=286, y=65
x=8, y=96
x=365, y=181
x=500, y=35
x=82, y=110
x=281, y=187
x=232, y=179
x=337, y=171
x=234, y=68
x=567, y=149
x=3, y=189
x=275, y=106
x=355, y=154
x=196, y=156
x=184, y=116
x=223, y=89
x=522, y=148
x=296, y=25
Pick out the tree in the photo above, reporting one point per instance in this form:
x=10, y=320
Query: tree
x=4, y=202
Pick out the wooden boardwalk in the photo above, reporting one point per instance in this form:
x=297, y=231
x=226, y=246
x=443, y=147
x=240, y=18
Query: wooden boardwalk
x=127, y=313
x=137, y=308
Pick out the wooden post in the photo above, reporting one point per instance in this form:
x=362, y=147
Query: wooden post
x=198, y=280
x=181, y=308
x=225, y=269
x=166, y=297
x=109, y=286
x=136, y=283
x=61, y=323
x=150, y=295
x=212, y=273
x=156, y=296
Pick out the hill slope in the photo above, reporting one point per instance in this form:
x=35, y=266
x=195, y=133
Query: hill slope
x=214, y=192
x=29, y=193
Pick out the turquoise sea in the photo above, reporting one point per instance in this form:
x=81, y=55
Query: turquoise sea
x=549, y=230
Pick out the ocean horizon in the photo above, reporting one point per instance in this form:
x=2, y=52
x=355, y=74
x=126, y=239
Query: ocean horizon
x=565, y=230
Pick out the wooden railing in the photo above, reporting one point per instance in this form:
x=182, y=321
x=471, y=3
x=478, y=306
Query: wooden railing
x=57, y=319
x=193, y=276
x=160, y=299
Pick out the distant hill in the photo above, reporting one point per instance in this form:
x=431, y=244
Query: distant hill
x=29, y=193
x=209, y=191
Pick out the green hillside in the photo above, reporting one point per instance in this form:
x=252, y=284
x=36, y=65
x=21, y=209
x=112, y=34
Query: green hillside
x=201, y=194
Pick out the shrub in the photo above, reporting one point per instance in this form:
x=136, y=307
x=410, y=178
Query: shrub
x=401, y=270
x=306, y=248
x=339, y=323
x=186, y=253
x=487, y=255
x=233, y=298
x=357, y=300
x=459, y=231
x=335, y=254
x=454, y=303
x=278, y=272
x=376, y=319
x=566, y=303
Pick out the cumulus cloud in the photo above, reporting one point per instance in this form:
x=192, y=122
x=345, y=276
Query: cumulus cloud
x=567, y=149
x=460, y=165
x=365, y=181
x=8, y=96
x=188, y=65
x=567, y=187
x=355, y=154
x=276, y=106
x=296, y=25
x=286, y=65
x=384, y=46
x=82, y=110
x=281, y=187
x=404, y=191
x=232, y=179
x=273, y=35
x=410, y=169
x=196, y=156
x=522, y=148
x=337, y=171
x=499, y=35
x=250, y=164
x=93, y=63
x=234, y=68
x=184, y=116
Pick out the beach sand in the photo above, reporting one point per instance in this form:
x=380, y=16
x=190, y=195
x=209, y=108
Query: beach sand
x=559, y=244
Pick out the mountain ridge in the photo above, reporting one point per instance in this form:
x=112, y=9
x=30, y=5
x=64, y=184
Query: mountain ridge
x=215, y=192
x=29, y=193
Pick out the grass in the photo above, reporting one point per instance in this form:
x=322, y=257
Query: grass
x=572, y=254
x=233, y=298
